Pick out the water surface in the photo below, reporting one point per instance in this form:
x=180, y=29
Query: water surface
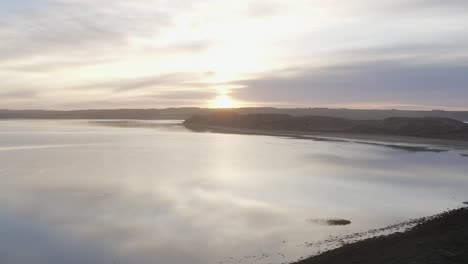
x=153, y=192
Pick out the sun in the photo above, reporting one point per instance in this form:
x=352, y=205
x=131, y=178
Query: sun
x=223, y=101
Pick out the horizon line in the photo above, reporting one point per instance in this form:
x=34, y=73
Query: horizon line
x=240, y=108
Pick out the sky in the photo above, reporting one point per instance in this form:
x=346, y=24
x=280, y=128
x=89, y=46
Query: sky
x=82, y=54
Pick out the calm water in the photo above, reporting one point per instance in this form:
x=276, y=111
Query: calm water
x=93, y=192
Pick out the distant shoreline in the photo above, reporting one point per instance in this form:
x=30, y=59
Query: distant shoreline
x=392, y=141
x=187, y=112
x=418, y=143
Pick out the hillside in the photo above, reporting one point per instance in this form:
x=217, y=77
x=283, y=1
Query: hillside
x=429, y=127
x=186, y=112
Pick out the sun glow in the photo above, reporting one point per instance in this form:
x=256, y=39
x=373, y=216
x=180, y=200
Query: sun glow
x=223, y=101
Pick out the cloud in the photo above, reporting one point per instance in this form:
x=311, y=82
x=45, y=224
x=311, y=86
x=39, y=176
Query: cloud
x=148, y=99
x=263, y=8
x=380, y=82
x=98, y=50
x=396, y=7
x=451, y=5
x=192, y=95
x=171, y=80
x=73, y=27
x=46, y=66
x=18, y=94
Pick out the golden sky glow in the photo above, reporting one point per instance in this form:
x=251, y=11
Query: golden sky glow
x=67, y=54
x=223, y=101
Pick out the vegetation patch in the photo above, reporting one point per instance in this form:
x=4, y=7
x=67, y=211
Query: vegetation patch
x=329, y=222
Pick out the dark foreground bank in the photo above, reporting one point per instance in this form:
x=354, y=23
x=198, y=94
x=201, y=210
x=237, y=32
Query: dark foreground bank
x=439, y=240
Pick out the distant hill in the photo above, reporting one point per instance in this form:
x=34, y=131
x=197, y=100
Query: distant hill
x=429, y=127
x=143, y=114
x=187, y=112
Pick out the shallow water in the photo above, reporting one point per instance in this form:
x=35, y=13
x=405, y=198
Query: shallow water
x=153, y=192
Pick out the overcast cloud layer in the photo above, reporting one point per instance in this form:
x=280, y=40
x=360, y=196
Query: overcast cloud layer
x=68, y=54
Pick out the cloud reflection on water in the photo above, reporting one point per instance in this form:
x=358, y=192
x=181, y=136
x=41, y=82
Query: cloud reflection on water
x=141, y=195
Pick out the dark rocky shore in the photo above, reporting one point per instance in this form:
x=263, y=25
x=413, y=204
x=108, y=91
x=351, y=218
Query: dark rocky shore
x=427, y=127
x=442, y=239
